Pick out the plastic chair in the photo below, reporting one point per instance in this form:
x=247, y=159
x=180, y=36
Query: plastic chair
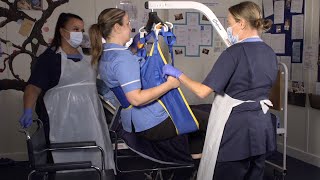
x=38, y=151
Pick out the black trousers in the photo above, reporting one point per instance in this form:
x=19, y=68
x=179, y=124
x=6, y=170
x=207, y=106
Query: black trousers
x=167, y=130
x=251, y=168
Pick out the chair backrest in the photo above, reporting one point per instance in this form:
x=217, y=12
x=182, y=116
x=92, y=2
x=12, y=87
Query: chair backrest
x=37, y=146
x=115, y=122
x=109, y=110
x=107, y=105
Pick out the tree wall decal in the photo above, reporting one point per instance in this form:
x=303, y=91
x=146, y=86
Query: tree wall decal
x=35, y=39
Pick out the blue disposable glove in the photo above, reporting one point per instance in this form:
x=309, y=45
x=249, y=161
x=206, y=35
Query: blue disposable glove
x=26, y=118
x=171, y=71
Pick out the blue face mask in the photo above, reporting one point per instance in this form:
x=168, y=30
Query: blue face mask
x=233, y=39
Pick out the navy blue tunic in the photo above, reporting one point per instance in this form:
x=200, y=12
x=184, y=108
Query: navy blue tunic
x=46, y=71
x=245, y=71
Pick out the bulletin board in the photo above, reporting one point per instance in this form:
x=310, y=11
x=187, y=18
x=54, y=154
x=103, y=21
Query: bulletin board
x=286, y=37
x=192, y=34
x=180, y=18
x=288, y=18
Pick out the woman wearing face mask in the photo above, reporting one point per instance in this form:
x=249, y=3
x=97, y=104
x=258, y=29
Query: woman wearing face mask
x=241, y=79
x=119, y=68
x=67, y=81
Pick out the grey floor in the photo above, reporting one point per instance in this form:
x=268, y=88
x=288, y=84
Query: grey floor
x=297, y=170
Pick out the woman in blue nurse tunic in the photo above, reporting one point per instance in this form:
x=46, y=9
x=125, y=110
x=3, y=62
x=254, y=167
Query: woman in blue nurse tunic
x=241, y=79
x=119, y=68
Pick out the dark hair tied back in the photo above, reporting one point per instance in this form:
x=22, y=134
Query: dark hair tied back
x=267, y=23
x=263, y=24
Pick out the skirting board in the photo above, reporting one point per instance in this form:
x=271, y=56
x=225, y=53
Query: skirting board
x=301, y=155
x=17, y=156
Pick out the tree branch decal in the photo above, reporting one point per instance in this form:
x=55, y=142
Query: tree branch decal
x=35, y=39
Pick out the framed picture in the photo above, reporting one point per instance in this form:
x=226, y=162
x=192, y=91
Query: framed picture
x=29, y=4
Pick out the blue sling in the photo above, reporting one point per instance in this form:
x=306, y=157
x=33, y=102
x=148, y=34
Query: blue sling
x=174, y=101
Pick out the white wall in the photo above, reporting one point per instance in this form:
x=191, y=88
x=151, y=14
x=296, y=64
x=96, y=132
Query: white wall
x=304, y=123
x=10, y=139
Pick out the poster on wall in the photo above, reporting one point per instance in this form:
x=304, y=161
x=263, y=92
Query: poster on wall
x=29, y=4
x=192, y=29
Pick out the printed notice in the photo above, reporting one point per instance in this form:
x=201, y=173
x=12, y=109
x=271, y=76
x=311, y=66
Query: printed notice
x=267, y=8
x=278, y=12
x=296, y=6
x=277, y=43
x=296, y=56
x=297, y=27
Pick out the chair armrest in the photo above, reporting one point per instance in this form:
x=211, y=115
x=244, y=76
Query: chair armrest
x=77, y=146
x=64, y=166
x=72, y=144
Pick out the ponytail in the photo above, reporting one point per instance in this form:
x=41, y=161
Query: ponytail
x=96, y=43
x=267, y=23
x=106, y=20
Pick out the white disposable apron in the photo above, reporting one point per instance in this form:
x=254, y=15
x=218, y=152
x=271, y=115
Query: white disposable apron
x=220, y=112
x=76, y=113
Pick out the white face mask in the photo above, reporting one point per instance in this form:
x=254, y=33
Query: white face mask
x=75, y=39
x=129, y=43
x=233, y=39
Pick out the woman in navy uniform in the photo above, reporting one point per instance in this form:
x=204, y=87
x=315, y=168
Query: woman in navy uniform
x=241, y=79
x=68, y=81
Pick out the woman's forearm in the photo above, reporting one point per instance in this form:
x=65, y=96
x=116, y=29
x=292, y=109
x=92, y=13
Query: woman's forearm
x=142, y=97
x=198, y=88
x=30, y=96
